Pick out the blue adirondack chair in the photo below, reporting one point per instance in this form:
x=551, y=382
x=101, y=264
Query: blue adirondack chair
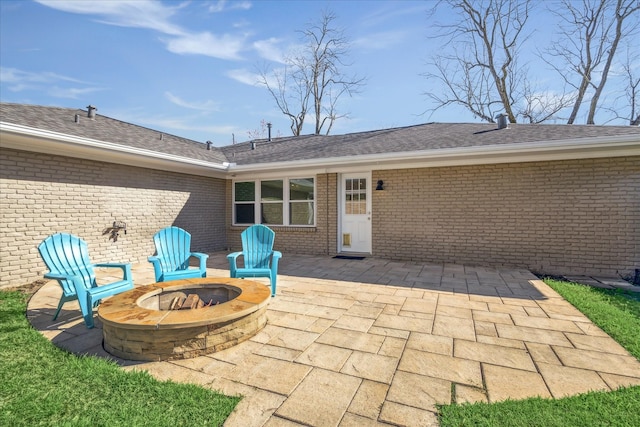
x=260, y=260
x=67, y=258
x=173, y=248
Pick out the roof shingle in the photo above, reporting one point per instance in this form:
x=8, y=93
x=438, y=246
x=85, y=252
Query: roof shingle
x=425, y=137
x=106, y=129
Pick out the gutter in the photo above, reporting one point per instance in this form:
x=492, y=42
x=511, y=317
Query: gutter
x=584, y=148
x=38, y=140
x=42, y=141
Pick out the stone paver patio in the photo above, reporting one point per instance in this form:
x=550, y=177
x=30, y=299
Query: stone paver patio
x=374, y=342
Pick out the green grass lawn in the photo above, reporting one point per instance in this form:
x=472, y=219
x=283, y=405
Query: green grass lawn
x=42, y=385
x=618, y=314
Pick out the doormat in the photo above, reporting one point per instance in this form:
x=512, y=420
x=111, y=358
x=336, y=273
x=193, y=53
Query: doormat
x=349, y=257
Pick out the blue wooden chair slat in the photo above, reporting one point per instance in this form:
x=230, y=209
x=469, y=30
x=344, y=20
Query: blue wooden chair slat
x=259, y=258
x=173, y=251
x=67, y=258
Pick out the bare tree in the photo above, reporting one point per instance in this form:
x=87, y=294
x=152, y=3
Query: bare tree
x=632, y=93
x=291, y=98
x=589, y=37
x=482, y=72
x=263, y=131
x=314, y=76
x=542, y=105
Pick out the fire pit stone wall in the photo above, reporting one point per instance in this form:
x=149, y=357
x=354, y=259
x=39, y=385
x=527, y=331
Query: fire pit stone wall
x=134, y=327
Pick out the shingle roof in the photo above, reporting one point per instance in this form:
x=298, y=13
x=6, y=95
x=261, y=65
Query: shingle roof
x=430, y=136
x=106, y=129
x=426, y=137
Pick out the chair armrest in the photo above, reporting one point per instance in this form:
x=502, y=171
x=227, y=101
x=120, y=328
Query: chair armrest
x=202, y=257
x=233, y=262
x=274, y=260
x=202, y=260
x=233, y=256
x=59, y=276
x=157, y=264
x=112, y=264
x=125, y=267
x=157, y=267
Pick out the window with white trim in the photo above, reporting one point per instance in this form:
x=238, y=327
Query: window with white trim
x=288, y=201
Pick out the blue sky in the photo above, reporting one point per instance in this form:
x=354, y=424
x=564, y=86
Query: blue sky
x=188, y=68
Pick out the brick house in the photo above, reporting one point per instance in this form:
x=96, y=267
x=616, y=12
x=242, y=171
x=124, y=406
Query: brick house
x=558, y=199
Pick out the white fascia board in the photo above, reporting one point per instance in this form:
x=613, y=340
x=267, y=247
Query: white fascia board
x=621, y=146
x=37, y=140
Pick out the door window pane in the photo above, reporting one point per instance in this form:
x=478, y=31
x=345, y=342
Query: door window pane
x=355, y=202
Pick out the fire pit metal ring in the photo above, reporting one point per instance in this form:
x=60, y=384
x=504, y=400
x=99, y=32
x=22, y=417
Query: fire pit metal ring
x=136, y=327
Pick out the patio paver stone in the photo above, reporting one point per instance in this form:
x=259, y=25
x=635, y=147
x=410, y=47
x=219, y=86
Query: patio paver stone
x=378, y=343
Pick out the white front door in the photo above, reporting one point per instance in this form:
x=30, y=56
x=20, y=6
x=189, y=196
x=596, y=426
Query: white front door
x=355, y=213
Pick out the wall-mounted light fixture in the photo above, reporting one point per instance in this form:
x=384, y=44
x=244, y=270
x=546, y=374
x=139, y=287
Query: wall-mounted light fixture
x=380, y=185
x=114, y=231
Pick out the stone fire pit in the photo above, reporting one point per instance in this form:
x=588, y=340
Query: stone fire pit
x=138, y=324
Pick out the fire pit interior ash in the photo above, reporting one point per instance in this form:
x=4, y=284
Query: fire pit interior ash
x=183, y=318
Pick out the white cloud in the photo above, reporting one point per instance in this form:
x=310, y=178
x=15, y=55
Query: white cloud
x=206, y=106
x=221, y=5
x=178, y=124
x=380, y=40
x=156, y=16
x=192, y=124
x=70, y=93
x=392, y=10
x=47, y=82
x=245, y=76
x=13, y=75
x=124, y=13
x=268, y=49
x=225, y=47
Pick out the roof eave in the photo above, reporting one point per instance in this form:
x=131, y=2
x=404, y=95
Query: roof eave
x=583, y=148
x=43, y=141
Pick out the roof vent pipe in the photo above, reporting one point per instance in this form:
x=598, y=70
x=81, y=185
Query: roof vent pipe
x=209, y=145
x=502, y=121
x=77, y=118
x=91, y=111
x=269, y=129
x=253, y=145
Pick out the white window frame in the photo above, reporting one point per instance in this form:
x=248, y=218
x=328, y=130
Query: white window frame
x=286, y=201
